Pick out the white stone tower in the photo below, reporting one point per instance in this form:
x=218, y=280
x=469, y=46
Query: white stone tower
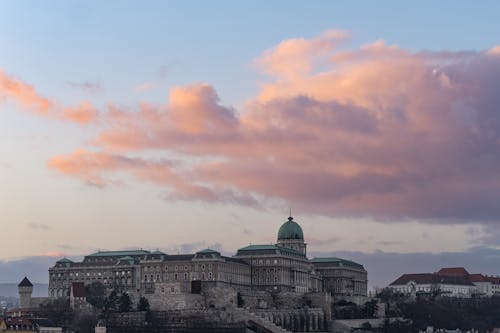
x=25, y=289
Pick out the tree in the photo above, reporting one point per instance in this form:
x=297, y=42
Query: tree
x=143, y=304
x=124, y=303
x=366, y=326
x=85, y=322
x=96, y=294
x=111, y=303
x=58, y=311
x=370, y=308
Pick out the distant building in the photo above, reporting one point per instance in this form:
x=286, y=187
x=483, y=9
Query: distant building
x=25, y=289
x=78, y=296
x=486, y=285
x=283, y=266
x=453, y=282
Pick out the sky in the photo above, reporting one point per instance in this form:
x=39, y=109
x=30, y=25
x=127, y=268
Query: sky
x=182, y=125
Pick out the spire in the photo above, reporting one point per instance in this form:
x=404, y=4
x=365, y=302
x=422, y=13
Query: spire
x=25, y=283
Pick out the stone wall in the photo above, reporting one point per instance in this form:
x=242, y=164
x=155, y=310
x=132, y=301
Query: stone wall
x=159, y=302
x=216, y=296
x=322, y=301
x=179, y=321
x=297, y=320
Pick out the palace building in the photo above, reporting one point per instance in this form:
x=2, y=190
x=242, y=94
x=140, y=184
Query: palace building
x=283, y=266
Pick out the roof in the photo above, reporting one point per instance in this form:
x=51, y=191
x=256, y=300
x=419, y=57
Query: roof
x=337, y=262
x=258, y=247
x=65, y=260
x=269, y=249
x=290, y=230
x=119, y=253
x=208, y=251
x=478, y=278
x=78, y=289
x=25, y=283
x=432, y=278
x=175, y=257
x=453, y=271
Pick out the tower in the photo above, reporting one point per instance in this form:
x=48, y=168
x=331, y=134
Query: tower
x=291, y=236
x=25, y=289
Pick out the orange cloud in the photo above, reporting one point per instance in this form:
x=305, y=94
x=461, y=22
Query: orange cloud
x=24, y=94
x=27, y=97
x=84, y=113
x=375, y=131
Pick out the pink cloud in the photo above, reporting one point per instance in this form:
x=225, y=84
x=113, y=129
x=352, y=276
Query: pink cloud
x=24, y=94
x=28, y=98
x=298, y=56
x=377, y=131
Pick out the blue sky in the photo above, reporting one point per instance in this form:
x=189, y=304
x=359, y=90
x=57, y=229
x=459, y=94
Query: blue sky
x=125, y=53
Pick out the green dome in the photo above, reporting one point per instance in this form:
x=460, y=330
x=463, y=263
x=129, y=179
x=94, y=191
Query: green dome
x=290, y=230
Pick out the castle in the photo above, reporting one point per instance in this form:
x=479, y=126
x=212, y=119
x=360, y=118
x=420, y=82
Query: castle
x=282, y=267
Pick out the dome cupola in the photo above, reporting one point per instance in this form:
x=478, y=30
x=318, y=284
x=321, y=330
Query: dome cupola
x=290, y=230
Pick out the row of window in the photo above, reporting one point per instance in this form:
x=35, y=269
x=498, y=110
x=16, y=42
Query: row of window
x=89, y=274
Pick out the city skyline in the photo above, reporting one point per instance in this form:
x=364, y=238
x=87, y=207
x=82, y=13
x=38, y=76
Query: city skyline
x=179, y=127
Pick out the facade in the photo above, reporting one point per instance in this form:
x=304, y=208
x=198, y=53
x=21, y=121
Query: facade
x=452, y=282
x=341, y=277
x=283, y=266
x=486, y=285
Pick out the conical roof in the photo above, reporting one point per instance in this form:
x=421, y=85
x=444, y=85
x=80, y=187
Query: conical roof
x=25, y=283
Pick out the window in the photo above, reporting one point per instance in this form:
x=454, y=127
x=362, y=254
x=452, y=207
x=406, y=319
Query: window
x=185, y=276
x=175, y=276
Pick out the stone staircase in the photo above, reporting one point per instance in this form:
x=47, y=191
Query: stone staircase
x=241, y=314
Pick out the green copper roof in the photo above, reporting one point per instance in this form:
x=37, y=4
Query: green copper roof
x=259, y=247
x=337, y=262
x=65, y=260
x=269, y=249
x=290, y=230
x=208, y=251
x=119, y=253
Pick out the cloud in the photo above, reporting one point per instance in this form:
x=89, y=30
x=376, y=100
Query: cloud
x=377, y=131
x=30, y=100
x=298, y=56
x=24, y=94
x=145, y=86
x=39, y=226
x=87, y=86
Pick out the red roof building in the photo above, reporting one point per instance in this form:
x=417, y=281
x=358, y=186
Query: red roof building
x=449, y=281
